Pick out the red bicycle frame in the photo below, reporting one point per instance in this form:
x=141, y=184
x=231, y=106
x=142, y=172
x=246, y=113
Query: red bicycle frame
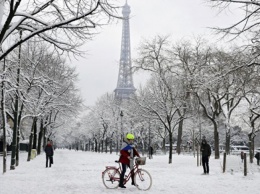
x=119, y=170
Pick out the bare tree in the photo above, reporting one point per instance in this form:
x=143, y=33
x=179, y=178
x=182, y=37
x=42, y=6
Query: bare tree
x=64, y=24
x=158, y=57
x=3, y=112
x=42, y=91
x=156, y=103
x=252, y=120
x=246, y=27
x=249, y=21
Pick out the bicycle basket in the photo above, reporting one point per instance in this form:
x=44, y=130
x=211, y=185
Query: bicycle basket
x=140, y=161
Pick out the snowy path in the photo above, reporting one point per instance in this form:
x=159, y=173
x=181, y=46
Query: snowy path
x=80, y=172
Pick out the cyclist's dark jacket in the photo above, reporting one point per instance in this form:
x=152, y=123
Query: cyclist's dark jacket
x=125, y=152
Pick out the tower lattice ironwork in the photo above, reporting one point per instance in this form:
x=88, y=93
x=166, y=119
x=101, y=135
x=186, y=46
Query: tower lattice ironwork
x=125, y=86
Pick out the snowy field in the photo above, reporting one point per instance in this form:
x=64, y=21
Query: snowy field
x=80, y=172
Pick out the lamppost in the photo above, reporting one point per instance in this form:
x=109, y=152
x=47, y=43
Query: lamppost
x=121, y=115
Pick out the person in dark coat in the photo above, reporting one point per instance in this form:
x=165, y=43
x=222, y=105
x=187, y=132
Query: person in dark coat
x=127, y=153
x=49, y=153
x=206, y=152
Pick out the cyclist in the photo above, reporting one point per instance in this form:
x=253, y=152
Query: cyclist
x=127, y=153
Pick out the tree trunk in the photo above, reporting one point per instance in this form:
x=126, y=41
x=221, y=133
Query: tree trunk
x=3, y=117
x=88, y=145
x=14, y=141
x=216, y=138
x=44, y=137
x=251, y=147
x=102, y=146
x=224, y=162
x=106, y=145
x=170, y=151
x=96, y=145
x=31, y=139
x=179, y=140
x=245, y=165
x=39, y=147
x=163, y=146
x=17, y=147
x=198, y=155
x=227, y=150
x=193, y=143
x=45, y=130
x=35, y=135
x=110, y=144
x=17, y=116
x=19, y=136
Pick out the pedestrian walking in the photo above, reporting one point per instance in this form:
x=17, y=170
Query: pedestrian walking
x=206, y=152
x=49, y=154
x=128, y=152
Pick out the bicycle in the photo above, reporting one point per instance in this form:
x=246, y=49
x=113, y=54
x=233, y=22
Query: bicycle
x=142, y=178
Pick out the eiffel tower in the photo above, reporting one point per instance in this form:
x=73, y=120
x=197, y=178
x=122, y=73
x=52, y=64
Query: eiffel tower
x=125, y=86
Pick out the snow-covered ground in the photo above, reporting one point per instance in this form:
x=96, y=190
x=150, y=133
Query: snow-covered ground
x=76, y=172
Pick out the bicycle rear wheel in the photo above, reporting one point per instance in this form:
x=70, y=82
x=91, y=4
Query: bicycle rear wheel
x=110, y=178
x=143, y=179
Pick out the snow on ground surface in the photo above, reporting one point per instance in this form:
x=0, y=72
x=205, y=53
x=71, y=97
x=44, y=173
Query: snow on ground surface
x=77, y=172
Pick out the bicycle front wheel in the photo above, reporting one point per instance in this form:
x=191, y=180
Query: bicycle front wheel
x=111, y=177
x=143, y=179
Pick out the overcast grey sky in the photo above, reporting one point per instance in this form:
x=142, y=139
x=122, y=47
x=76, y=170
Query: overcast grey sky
x=98, y=71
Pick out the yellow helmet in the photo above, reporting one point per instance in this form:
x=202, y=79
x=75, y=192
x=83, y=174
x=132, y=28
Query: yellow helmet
x=130, y=136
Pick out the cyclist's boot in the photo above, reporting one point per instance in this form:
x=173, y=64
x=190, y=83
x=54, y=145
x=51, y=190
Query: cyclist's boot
x=121, y=185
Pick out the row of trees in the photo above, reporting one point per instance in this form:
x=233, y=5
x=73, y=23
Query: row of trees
x=38, y=92
x=195, y=89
